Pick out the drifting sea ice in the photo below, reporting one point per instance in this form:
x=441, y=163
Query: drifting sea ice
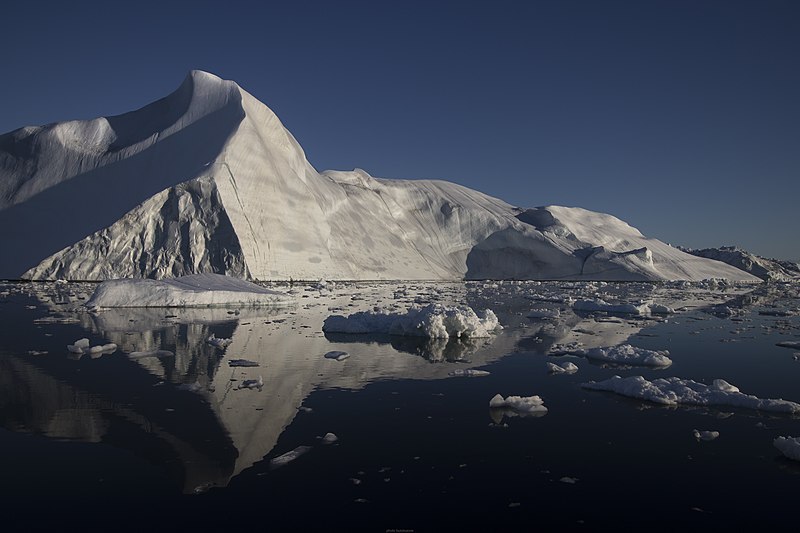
x=593, y=306
x=519, y=404
x=434, y=321
x=219, y=343
x=705, y=435
x=675, y=391
x=329, y=438
x=469, y=373
x=337, y=355
x=566, y=368
x=288, y=457
x=789, y=344
x=543, y=313
x=788, y=446
x=195, y=290
x=629, y=355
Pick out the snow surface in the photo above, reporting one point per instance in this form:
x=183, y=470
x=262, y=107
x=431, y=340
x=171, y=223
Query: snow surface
x=208, y=180
x=434, y=321
x=197, y=290
x=674, y=391
x=789, y=446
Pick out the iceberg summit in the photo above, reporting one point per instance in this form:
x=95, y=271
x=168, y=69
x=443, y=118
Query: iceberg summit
x=207, y=180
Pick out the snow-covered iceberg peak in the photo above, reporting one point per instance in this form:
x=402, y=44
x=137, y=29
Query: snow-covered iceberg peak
x=208, y=180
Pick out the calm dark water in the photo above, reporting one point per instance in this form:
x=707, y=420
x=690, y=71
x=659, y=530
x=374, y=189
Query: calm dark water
x=175, y=442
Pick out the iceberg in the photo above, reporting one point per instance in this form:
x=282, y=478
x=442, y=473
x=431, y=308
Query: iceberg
x=434, y=321
x=207, y=179
x=677, y=391
x=789, y=447
x=626, y=354
x=196, y=290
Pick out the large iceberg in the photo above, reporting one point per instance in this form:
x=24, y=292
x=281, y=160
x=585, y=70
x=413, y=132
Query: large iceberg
x=207, y=179
x=197, y=290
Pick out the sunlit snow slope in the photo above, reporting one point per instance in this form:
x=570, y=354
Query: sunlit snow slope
x=208, y=180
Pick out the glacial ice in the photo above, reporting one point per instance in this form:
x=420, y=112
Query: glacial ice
x=469, y=373
x=626, y=354
x=565, y=368
x=788, y=446
x=433, y=321
x=676, y=391
x=705, y=435
x=288, y=457
x=196, y=290
x=220, y=185
x=595, y=305
x=519, y=404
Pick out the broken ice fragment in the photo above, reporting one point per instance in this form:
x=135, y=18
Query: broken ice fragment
x=338, y=355
x=288, y=457
x=705, y=435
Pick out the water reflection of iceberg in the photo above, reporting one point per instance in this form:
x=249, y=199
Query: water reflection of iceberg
x=434, y=350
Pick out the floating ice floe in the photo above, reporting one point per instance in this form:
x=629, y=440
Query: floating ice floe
x=705, y=435
x=329, y=438
x=675, y=391
x=218, y=343
x=337, y=354
x=196, y=290
x=82, y=346
x=252, y=383
x=37, y=352
x=242, y=362
x=469, y=373
x=434, y=321
x=593, y=306
x=519, y=404
x=288, y=457
x=150, y=353
x=566, y=368
x=788, y=446
x=789, y=344
x=628, y=355
x=544, y=313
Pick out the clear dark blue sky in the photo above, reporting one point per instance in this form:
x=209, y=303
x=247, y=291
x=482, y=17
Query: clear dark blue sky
x=680, y=117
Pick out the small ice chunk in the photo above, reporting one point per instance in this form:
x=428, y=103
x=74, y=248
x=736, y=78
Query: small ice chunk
x=789, y=344
x=544, y=313
x=81, y=343
x=705, y=435
x=80, y=346
x=242, y=362
x=109, y=348
x=788, y=446
x=468, y=372
x=675, y=391
x=519, y=404
x=252, y=383
x=219, y=343
x=337, y=354
x=329, y=438
x=566, y=368
x=630, y=355
x=288, y=457
x=569, y=480
x=151, y=353
x=37, y=352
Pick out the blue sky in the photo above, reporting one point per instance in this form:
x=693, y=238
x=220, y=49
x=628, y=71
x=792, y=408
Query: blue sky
x=681, y=117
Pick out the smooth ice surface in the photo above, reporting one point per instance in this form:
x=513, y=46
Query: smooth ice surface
x=788, y=446
x=520, y=404
x=630, y=355
x=435, y=321
x=209, y=180
x=674, y=391
x=197, y=290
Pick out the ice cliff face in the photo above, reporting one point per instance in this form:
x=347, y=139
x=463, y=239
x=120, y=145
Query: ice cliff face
x=208, y=180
